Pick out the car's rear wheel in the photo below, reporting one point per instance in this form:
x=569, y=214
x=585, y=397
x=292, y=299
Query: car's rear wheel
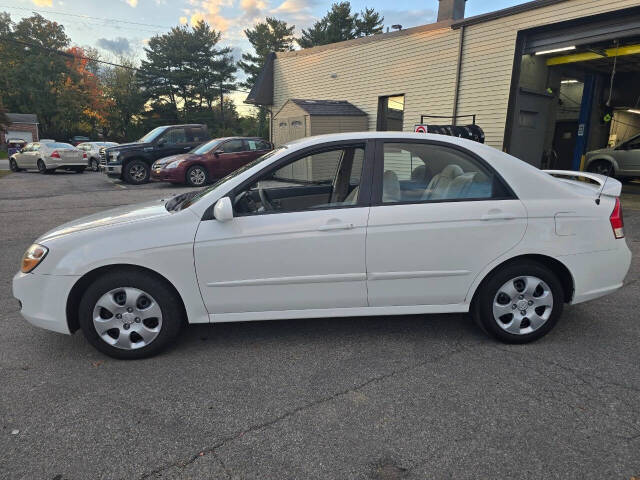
x=13, y=165
x=196, y=176
x=136, y=172
x=130, y=314
x=519, y=303
x=601, y=167
x=42, y=168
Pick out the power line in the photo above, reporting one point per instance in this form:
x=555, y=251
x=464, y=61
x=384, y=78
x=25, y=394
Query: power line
x=88, y=17
x=82, y=57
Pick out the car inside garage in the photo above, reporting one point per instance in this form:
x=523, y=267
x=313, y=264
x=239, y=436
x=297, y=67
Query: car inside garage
x=575, y=98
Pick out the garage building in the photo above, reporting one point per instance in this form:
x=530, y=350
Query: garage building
x=23, y=126
x=547, y=80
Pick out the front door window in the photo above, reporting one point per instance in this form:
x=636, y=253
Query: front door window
x=326, y=179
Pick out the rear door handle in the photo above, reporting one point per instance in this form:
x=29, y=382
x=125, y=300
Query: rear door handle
x=336, y=226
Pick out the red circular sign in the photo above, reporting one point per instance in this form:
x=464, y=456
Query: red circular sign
x=421, y=129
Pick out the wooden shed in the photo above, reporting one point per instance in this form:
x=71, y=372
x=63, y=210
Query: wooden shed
x=302, y=118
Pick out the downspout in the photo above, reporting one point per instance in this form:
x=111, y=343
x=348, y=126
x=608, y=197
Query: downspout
x=456, y=96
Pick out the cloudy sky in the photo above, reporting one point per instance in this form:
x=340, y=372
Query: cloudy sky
x=122, y=27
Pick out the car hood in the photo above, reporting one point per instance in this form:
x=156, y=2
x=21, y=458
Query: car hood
x=166, y=160
x=123, y=147
x=115, y=216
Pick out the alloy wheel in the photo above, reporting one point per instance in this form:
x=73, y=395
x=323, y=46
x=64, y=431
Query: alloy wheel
x=522, y=305
x=127, y=318
x=137, y=172
x=197, y=176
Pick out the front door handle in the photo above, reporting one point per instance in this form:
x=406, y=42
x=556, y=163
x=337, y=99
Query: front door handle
x=336, y=226
x=497, y=216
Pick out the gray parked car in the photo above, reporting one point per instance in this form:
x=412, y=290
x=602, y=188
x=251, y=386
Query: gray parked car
x=624, y=158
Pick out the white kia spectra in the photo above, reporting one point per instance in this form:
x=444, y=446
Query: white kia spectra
x=332, y=226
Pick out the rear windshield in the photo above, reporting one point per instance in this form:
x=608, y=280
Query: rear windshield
x=63, y=146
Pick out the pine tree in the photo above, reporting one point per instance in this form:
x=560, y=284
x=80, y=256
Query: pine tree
x=368, y=23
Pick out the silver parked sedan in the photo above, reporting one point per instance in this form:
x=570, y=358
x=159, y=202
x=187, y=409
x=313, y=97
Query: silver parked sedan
x=620, y=161
x=92, y=149
x=48, y=156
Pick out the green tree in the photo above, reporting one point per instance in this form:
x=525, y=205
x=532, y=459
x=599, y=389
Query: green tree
x=186, y=70
x=127, y=100
x=341, y=24
x=34, y=75
x=368, y=23
x=272, y=35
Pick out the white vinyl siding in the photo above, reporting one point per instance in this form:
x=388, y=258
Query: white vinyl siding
x=420, y=65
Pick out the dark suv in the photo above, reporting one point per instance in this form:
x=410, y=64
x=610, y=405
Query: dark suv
x=132, y=161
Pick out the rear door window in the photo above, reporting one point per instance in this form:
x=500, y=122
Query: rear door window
x=234, y=146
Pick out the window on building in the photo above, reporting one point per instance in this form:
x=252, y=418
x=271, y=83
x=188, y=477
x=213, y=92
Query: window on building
x=390, y=113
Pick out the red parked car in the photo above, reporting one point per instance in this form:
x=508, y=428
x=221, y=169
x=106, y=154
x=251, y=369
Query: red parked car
x=214, y=159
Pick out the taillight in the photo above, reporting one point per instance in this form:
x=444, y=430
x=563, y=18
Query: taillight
x=84, y=155
x=617, y=222
x=55, y=154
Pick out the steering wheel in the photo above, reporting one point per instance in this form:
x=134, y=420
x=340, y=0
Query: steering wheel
x=264, y=199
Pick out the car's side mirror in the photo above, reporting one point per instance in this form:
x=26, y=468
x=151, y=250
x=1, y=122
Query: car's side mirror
x=223, y=210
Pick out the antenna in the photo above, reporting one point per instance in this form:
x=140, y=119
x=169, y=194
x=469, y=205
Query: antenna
x=604, y=184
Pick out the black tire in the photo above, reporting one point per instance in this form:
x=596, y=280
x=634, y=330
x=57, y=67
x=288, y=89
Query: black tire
x=602, y=167
x=482, y=307
x=13, y=165
x=164, y=295
x=194, y=174
x=42, y=168
x=94, y=165
x=79, y=169
x=136, y=172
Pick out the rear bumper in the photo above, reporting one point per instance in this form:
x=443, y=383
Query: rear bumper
x=598, y=274
x=44, y=299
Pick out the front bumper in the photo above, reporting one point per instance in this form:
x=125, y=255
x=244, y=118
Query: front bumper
x=112, y=170
x=44, y=299
x=173, y=175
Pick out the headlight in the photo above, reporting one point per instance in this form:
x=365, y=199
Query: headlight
x=32, y=257
x=174, y=164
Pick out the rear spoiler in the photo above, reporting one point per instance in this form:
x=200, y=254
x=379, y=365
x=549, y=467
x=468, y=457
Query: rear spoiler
x=612, y=187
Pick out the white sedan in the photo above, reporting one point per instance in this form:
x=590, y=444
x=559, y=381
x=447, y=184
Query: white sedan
x=47, y=156
x=334, y=226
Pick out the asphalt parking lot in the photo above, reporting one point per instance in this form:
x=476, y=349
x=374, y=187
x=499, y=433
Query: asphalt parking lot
x=417, y=397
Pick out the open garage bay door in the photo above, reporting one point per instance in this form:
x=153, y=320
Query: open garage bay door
x=585, y=31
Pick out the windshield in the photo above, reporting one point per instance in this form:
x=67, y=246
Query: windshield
x=206, y=147
x=152, y=135
x=185, y=200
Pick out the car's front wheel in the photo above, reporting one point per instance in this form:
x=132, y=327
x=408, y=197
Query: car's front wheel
x=136, y=172
x=130, y=314
x=519, y=303
x=13, y=165
x=196, y=176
